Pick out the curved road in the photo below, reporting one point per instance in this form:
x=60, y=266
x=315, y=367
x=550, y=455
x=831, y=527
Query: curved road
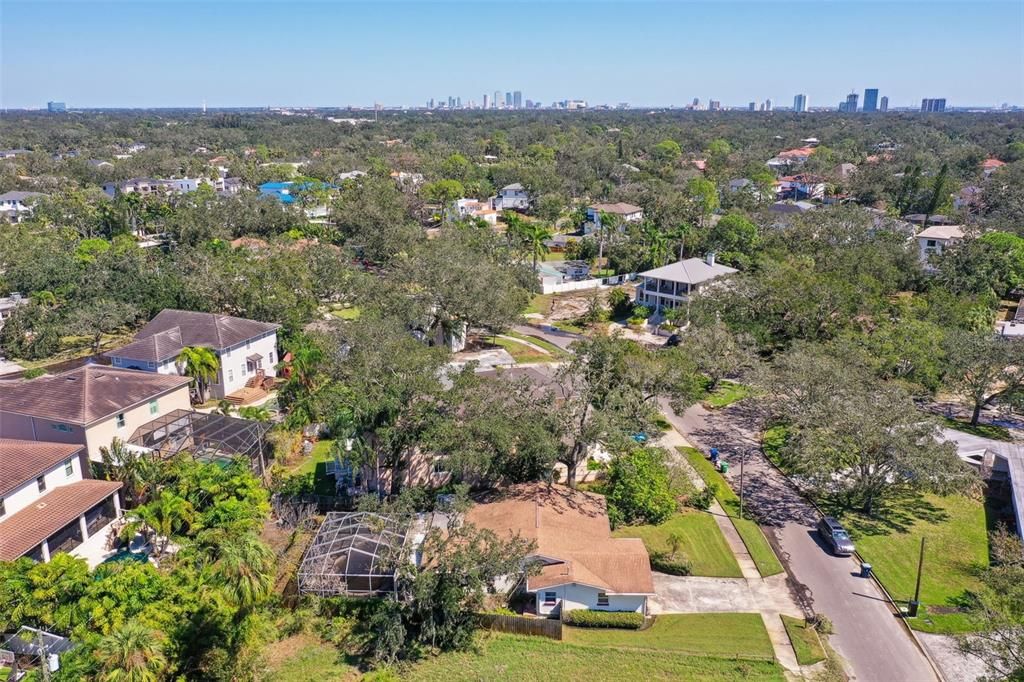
x=868, y=635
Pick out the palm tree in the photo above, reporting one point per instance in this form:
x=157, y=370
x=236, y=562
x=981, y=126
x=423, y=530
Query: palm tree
x=162, y=517
x=202, y=364
x=657, y=244
x=608, y=223
x=225, y=407
x=680, y=233
x=131, y=653
x=238, y=562
x=137, y=471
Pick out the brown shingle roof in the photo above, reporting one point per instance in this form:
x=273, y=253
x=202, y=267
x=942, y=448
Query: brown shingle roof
x=571, y=529
x=51, y=512
x=179, y=328
x=618, y=208
x=87, y=394
x=26, y=460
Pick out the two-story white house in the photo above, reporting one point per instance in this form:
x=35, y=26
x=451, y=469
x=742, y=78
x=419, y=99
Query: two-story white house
x=144, y=186
x=50, y=503
x=247, y=349
x=512, y=197
x=17, y=206
x=934, y=240
x=88, y=406
x=673, y=285
x=626, y=213
x=581, y=565
x=471, y=208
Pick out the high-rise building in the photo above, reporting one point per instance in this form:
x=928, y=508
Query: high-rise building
x=714, y=105
x=752, y=106
x=485, y=100
x=884, y=106
x=768, y=104
x=56, y=107
x=430, y=103
x=517, y=100
x=870, y=100
x=497, y=100
x=933, y=105
x=800, y=103
x=508, y=100
x=851, y=102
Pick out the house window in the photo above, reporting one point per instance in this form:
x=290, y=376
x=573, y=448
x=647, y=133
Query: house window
x=154, y=407
x=231, y=375
x=3, y=510
x=550, y=598
x=120, y=420
x=69, y=467
x=243, y=369
x=930, y=242
x=151, y=365
x=41, y=484
x=64, y=428
x=602, y=599
x=270, y=357
x=117, y=362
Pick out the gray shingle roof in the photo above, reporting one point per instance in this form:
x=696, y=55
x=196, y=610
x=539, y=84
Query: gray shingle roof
x=19, y=196
x=87, y=394
x=171, y=330
x=691, y=271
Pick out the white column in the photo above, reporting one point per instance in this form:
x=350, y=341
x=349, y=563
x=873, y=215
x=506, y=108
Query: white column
x=84, y=527
x=117, y=505
x=45, y=547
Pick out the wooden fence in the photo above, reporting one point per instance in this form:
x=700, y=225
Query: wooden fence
x=520, y=625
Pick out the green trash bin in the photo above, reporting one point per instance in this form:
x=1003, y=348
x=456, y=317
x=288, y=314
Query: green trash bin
x=724, y=466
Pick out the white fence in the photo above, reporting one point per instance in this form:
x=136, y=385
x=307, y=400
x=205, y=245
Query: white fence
x=548, y=285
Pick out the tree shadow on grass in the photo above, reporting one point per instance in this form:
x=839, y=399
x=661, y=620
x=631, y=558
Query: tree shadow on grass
x=895, y=515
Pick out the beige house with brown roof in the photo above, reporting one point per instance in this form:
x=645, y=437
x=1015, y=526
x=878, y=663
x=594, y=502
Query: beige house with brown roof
x=626, y=213
x=88, y=406
x=49, y=503
x=581, y=565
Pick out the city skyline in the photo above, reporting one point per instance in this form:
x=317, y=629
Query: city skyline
x=86, y=54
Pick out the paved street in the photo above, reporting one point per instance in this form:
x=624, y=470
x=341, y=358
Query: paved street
x=867, y=634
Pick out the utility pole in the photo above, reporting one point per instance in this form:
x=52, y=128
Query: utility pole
x=912, y=611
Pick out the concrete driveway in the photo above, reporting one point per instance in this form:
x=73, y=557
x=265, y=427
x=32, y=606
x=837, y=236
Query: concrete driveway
x=868, y=635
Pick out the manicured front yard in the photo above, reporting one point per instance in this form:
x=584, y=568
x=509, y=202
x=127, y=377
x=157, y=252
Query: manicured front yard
x=956, y=548
x=703, y=544
x=993, y=431
x=806, y=643
x=760, y=551
x=535, y=659
x=727, y=393
x=728, y=635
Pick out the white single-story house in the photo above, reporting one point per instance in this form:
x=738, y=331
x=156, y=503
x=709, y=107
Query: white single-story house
x=672, y=285
x=50, y=503
x=247, y=349
x=627, y=213
x=581, y=565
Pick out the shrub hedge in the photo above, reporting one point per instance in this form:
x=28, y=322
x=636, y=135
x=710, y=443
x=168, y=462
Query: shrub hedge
x=664, y=562
x=585, y=618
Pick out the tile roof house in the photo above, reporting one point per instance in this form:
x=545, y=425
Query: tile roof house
x=989, y=166
x=791, y=157
x=581, y=565
x=936, y=239
x=88, y=406
x=49, y=503
x=627, y=213
x=672, y=285
x=13, y=205
x=247, y=349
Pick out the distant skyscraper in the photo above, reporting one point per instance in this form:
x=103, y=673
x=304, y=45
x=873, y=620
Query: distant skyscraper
x=884, y=106
x=508, y=100
x=752, y=106
x=497, y=100
x=714, y=105
x=933, y=105
x=851, y=102
x=485, y=100
x=870, y=100
x=56, y=107
x=430, y=103
x=800, y=103
x=768, y=104
x=517, y=99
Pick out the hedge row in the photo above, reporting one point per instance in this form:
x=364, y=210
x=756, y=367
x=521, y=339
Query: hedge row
x=664, y=562
x=603, y=619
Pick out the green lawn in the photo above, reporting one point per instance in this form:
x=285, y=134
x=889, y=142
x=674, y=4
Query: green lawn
x=316, y=463
x=772, y=442
x=703, y=543
x=760, y=551
x=993, y=431
x=346, y=313
x=805, y=641
x=540, y=304
x=304, y=659
x=30, y=675
x=538, y=341
x=727, y=635
x=956, y=549
x=727, y=393
x=567, y=326
x=521, y=353
x=535, y=659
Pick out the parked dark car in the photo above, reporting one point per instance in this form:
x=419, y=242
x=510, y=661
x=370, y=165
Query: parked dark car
x=835, y=536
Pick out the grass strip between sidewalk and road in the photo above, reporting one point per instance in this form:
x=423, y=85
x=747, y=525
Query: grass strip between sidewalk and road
x=806, y=643
x=757, y=544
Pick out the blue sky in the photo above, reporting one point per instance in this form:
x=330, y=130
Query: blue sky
x=144, y=53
